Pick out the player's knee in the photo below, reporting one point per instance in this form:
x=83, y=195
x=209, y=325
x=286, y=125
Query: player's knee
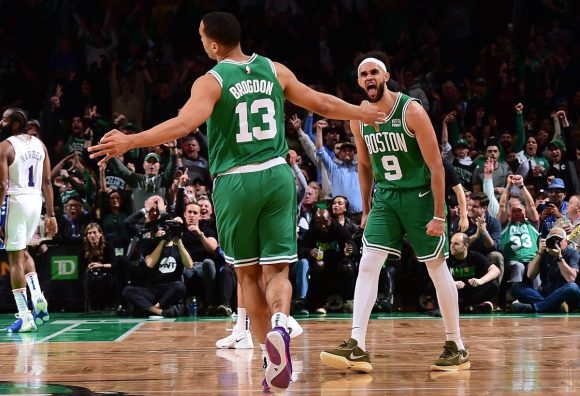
x=372, y=261
x=435, y=263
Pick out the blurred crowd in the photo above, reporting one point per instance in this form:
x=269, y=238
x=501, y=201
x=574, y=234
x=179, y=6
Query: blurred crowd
x=501, y=89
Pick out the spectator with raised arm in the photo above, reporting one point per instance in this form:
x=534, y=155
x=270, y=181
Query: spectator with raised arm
x=154, y=181
x=344, y=175
x=519, y=239
x=493, y=205
x=460, y=159
x=563, y=156
x=532, y=166
x=308, y=145
x=501, y=170
x=516, y=181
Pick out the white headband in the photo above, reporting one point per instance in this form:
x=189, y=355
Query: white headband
x=373, y=60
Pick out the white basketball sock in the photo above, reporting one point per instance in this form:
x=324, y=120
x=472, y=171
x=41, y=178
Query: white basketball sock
x=365, y=293
x=20, y=298
x=279, y=319
x=447, y=299
x=33, y=285
x=243, y=322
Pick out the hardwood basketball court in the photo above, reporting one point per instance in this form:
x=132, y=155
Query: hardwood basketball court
x=89, y=354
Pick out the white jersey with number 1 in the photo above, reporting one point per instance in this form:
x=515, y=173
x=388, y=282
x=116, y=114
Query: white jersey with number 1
x=25, y=172
x=24, y=198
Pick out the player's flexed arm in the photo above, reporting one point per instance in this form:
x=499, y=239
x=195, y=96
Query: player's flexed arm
x=365, y=171
x=419, y=123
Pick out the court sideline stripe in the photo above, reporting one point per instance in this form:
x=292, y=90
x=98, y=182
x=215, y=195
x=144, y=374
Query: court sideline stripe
x=129, y=332
x=58, y=333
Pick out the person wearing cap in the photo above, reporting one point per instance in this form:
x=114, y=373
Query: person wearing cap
x=459, y=159
x=557, y=265
x=562, y=151
x=152, y=182
x=343, y=174
x=555, y=208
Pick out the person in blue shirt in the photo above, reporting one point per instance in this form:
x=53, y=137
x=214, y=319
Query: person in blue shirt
x=343, y=175
x=555, y=208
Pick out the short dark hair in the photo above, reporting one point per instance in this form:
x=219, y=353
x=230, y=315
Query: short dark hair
x=380, y=55
x=222, y=27
x=481, y=197
x=492, y=141
x=17, y=115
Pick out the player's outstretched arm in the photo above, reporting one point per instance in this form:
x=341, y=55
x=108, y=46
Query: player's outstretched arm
x=320, y=103
x=205, y=92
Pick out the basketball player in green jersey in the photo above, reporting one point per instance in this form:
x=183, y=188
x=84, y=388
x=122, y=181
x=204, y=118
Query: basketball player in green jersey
x=242, y=100
x=409, y=179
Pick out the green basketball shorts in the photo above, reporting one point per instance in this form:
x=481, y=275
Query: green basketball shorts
x=398, y=212
x=256, y=215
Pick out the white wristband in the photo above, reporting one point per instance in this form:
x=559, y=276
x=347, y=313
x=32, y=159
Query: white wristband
x=441, y=219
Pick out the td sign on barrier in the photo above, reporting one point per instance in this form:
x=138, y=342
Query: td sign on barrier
x=64, y=268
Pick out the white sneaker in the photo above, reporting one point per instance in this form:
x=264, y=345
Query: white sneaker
x=294, y=328
x=40, y=310
x=23, y=324
x=236, y=340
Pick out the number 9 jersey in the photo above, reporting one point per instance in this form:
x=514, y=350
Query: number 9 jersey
x=251, y=91
x=25, y=172
x=394, y=152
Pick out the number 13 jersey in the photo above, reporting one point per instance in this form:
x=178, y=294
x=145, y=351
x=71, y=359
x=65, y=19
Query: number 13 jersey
x=394, y=152
x=25, y=172
x=247, y=123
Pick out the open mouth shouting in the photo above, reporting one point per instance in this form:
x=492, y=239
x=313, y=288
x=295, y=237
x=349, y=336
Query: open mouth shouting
x=374, y=90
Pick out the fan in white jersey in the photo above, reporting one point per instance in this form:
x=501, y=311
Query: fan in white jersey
x=24, y=178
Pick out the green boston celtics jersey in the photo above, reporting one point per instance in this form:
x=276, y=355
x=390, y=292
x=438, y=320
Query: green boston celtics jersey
x=519, y=242
x=247, y=123
x=395, y=155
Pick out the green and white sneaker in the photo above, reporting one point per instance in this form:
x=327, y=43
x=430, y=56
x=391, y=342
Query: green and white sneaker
x=452, y=359
x=348, y=356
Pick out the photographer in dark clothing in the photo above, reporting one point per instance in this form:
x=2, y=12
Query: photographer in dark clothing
x=557, y=264
x=164, y=287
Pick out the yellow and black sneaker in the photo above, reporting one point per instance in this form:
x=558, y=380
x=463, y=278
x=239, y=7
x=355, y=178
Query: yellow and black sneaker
x=452, y=359
x=348, y=356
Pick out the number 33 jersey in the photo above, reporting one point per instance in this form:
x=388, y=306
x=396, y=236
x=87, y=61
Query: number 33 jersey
x=25, y=172
x=247, y=123
x=394, y=152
